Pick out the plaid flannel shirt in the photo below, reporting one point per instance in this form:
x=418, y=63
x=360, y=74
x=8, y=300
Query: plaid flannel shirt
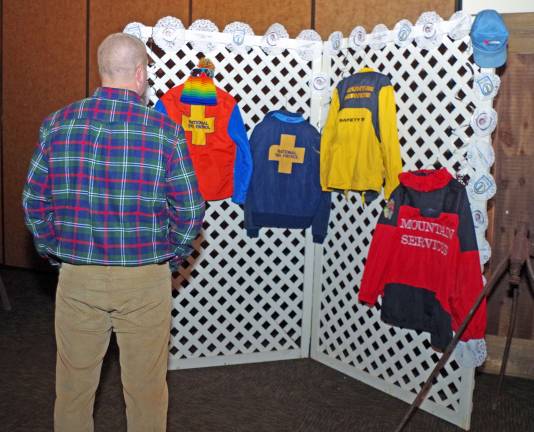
x=111, y=183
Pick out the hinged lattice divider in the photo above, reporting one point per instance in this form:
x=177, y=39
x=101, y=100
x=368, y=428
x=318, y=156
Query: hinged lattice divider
x=241, y=300
x=434, y=98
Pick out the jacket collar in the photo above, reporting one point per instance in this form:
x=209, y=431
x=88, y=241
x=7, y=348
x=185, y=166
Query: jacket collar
x=426, y=180
x=287, y=116
x=117, y=94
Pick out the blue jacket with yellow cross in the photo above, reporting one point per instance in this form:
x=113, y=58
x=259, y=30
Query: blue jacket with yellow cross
x=285, y=189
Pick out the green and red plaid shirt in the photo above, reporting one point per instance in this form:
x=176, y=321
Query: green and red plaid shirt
x=111, y=183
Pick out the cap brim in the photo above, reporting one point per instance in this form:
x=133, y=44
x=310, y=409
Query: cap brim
x=487, y=59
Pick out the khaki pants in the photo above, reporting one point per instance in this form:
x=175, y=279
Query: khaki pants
x=135, y=303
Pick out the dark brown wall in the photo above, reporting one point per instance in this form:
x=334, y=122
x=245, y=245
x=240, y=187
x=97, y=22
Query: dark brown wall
x=295, y=15
x=521, y=28
x=43, y=55
x=343, y=15
x=514, y=148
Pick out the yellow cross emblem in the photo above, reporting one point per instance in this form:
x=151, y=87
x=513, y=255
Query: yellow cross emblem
x=198, y=125
x=286, y=153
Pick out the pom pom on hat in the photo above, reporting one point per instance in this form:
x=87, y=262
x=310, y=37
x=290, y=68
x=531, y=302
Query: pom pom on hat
x=205, y=63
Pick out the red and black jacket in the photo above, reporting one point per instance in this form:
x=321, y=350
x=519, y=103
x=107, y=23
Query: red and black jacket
x=424, y=259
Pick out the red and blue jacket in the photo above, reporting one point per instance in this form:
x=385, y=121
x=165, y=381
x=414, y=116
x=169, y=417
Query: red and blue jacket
x=424, y=260
x=217, y=142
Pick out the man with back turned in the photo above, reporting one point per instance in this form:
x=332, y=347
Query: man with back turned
x=111, y=198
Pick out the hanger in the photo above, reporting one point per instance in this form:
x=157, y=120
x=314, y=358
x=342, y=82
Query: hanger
x=345, y=72
x=433, y=164
x=472, y=72
x=285, y=107
x=365, y=59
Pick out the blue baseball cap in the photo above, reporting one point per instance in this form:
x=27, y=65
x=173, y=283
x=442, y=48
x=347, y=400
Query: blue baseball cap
x=489, y=36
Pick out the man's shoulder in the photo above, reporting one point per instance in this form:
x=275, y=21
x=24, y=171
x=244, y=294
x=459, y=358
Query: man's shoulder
x=65, y=113
x=103, y=110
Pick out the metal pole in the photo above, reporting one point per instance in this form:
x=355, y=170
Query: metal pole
x=503, y=265
x=511, y=327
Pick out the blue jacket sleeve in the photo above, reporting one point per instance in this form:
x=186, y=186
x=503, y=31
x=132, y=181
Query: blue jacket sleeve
x=320, y=220
x=161, y=107
x=322, y=215
x=243, y=159
x=252, y=229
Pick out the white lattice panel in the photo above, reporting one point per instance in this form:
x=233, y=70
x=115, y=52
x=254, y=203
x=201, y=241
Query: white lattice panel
x=239, y=295
x=240, y=299
x=435, y=101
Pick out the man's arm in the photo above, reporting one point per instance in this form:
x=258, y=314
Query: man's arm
x=186, y=205
x=37, y=200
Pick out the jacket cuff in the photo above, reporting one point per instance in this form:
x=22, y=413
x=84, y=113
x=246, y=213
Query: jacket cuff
x=55, y=263
x=253, y=232
x=368, y=299
x=318, y=238
x=175, y=263
x=238, y=198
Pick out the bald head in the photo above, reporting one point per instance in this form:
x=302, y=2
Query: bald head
x=122, y=62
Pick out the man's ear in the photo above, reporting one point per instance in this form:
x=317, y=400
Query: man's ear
x=141, y=78
x=139, y=74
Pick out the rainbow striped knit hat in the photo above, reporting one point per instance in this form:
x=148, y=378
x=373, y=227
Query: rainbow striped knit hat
x=199, y=88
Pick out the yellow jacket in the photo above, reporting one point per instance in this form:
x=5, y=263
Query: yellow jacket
x=360, y=144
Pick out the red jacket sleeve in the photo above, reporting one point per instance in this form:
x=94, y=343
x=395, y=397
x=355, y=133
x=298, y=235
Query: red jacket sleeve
x=382, y=247
x=468, y=277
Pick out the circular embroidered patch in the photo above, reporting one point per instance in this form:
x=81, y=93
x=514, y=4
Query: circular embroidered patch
x=431, y=37
x=238, y=30
x=403, y=33
x=136, y=29
x=484, y=121
x=460, y=23
x=168, y=33
x=482, y=187
x=486, y=86
x=379, y=37
x=334, y=43
x=357, y=38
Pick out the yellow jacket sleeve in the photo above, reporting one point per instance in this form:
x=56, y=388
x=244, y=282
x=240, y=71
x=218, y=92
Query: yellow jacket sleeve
x=327, y=139
x=389, y=139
